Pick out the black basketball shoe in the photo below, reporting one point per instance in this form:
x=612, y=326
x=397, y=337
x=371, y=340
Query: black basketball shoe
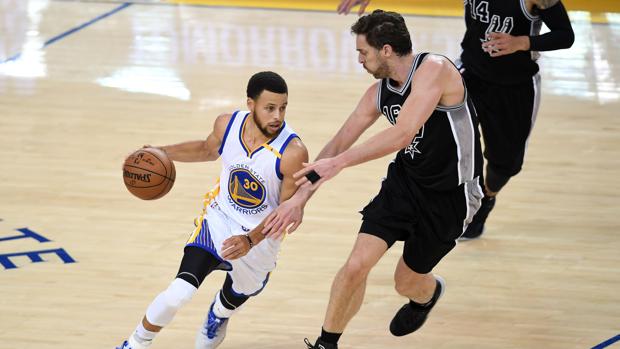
x=412, y=315
x=476, y=227
x=320, y=344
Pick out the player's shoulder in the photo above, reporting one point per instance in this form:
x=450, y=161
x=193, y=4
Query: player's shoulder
x=295, y=151
x=223, y=119
x=221, y=123
x=544, y=4
x=435, y=61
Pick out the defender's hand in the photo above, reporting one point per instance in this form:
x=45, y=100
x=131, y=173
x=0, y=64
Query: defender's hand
x=325, y=169
x=235, y=247
x=284, y=219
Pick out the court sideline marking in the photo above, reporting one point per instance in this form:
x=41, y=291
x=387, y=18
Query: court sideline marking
x=607, y=343
x=73, y=30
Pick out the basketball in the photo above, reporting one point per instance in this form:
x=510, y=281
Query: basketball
x=148, y=173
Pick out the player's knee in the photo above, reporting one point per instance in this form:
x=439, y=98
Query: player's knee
x=178, y=294
x=355, y=269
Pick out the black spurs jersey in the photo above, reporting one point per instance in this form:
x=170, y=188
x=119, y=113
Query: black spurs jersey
x=445, y=152
x=508, y=16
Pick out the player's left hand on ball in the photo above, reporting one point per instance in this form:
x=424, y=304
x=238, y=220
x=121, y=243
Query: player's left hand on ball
x=235, y=247
x=500, y=44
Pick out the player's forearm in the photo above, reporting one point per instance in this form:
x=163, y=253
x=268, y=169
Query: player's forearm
x=332, y=148
x=561, y=33
x=255, y=235
x=385, y=142
x=192, y=151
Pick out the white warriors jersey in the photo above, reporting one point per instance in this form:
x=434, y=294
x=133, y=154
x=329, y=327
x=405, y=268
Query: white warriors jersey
x=250, y=182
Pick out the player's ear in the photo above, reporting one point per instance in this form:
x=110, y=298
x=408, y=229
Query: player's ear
x=386, y=50
x=250, y=103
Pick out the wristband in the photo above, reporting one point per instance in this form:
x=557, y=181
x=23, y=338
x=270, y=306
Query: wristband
x=247, y=236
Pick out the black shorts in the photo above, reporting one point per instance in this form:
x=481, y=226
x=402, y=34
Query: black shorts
x=429, y=222
x=507, y=114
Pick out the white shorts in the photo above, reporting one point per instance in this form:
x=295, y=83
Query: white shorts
x=249, y=273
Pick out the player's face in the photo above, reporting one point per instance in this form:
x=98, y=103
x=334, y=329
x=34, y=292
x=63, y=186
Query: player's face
x=268, y=111
x=371, y=58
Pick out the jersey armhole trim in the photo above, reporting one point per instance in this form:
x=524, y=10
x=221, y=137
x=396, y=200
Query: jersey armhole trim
x=379, y=96
x=527, y=15
x=284, y=145
x=230, y=123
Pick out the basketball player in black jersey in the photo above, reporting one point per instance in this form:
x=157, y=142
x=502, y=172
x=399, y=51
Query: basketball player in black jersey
x=432, y=189
x=498, y=62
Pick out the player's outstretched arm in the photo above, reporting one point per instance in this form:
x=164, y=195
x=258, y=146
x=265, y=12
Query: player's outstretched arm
x=363, y=116
x=200, y=150
x=288, y=215
x=430, y=83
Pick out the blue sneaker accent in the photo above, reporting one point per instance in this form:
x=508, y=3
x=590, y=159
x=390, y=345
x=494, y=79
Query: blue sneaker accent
x=125, y=345
x=212, y=332
x=214, y=323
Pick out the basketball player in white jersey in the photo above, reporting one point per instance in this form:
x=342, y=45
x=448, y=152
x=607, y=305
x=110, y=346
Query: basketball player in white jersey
x=259, y=155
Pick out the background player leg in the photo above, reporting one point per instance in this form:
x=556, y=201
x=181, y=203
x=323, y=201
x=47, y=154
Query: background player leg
x=348, y=288
x=422, y=290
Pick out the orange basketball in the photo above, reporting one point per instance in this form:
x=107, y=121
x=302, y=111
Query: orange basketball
x=148, y=173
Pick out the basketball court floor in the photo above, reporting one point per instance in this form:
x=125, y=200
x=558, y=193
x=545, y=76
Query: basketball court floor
x=83, y=84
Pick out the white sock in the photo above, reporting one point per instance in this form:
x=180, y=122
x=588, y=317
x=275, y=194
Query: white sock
x=135, y=343
x=220, y=310
x=142, y=335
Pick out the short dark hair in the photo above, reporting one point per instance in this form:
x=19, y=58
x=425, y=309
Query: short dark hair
x=266, y=80
x=384, y=28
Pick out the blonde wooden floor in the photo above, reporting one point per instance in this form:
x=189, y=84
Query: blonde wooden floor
x=545, y=275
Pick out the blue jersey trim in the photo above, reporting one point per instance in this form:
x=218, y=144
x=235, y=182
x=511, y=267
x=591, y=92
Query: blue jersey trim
x=288, y=140
x=232, y=119
x=245, y=148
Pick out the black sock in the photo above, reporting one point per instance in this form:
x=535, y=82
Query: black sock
x=328, y=337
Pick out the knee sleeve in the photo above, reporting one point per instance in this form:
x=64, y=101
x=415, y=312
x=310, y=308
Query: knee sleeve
x=166, y=304
x=196, y=265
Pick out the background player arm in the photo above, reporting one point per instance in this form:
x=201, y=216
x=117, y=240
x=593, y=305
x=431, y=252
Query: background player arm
x=294, y=156
x=561, y=35
x=429, y=83
x=200, y=150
